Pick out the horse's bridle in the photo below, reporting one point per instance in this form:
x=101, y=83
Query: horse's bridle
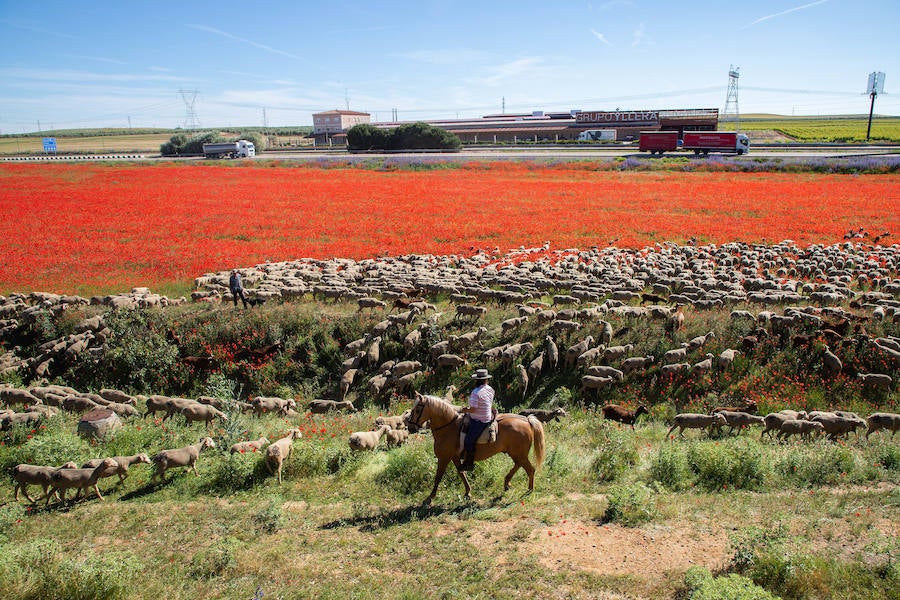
x=412, y=421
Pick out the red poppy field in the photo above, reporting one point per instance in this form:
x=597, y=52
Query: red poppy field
x=89, y=228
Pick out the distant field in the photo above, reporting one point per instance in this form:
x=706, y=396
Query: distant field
x=798, y=129
x=884, y=129
x=143, y=143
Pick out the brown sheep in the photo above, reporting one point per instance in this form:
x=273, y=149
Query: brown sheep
x=615, y=412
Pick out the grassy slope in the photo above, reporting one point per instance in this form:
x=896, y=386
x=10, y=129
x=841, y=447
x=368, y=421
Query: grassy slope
x=346, y=526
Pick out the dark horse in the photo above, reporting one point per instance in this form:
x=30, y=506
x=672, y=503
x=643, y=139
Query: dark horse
x=515, y=436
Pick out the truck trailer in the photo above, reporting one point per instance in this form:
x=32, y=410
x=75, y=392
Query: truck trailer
x=701, y=142
x=238, y=149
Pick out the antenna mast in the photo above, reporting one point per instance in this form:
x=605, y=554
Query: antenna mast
x=732, y=112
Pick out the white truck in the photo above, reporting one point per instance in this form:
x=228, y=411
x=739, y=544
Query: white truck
x=238, y=149
x=597, y=135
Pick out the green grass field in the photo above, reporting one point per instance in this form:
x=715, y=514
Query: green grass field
x=815, y=129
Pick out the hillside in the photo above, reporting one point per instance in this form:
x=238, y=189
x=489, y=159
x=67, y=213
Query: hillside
x=616, y=513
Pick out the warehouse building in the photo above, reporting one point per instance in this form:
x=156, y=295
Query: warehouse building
x=538, y=126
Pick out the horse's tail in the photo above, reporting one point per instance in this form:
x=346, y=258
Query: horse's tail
x=537, y=428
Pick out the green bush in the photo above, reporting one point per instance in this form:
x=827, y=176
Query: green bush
x=701, y=585
x=817, y=465
x=670, y=467
x=409, y=470
x=180, y=143
x=738, y=465
x=410, y=136
x=630, y=504
x=615, y=454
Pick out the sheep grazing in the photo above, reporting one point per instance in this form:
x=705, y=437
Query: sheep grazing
x=251, y=446
x=875, y=381
x=395, y=422
x=695, y=421
x=675, y=355
x=25, y=475
x=451, y=361
x=637, y=364
x=576, y=350
x=522, y=378
x=726, y=358
x=882, y=420
x=839, y=424
x=179, y=457
x=543, y=415
x=794, y=426
x=551, y=353
x=122, y=464
x=396, y=437
x=738, y=420
x=772, y=423
x=605, y=371
x=831, y=363
x=367, y=440
x=202, y=412
x=263, y=404
x=367, y=302
x=616, y=412
x=466, y=310
x=590, y=382
x=279, y=451
x=320, y=407
x=78, y=479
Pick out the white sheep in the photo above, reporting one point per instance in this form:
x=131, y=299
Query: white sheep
x=180, y=457
x=882, y=420
x=804, y=428
x=25, y=475
x=250, y=446
x=122, y=464
x=202, y=412
x=396, y=437
x=737, y=419
x=279, y=451
x=78, y=479
x=726, y=358
x=367, y=440
x=695, y=421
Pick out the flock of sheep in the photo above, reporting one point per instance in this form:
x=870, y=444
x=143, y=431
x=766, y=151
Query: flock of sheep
x=568, y=299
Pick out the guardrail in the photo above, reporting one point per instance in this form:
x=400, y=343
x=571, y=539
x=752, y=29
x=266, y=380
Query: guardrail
x=72, y=157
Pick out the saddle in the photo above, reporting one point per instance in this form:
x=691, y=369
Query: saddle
x=488, y=436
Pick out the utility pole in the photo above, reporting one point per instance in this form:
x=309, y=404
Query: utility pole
x=875, y=87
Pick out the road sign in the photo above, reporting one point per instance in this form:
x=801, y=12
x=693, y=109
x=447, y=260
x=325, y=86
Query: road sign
x=49, y=144
x=876, y=83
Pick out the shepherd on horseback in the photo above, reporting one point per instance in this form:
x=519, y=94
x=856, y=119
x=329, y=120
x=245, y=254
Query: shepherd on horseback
x=515, y=435
x=481, y=413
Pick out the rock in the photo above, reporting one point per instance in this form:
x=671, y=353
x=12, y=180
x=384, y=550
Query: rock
x=98, y=423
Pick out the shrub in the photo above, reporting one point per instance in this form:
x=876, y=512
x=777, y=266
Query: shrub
x=271, y=518
x=410, y=136
x=615, y=454
x=703, y=586
x=408, y=471
x=722, y=466
x=817, y=465
x=630, y=504
x=670, y=468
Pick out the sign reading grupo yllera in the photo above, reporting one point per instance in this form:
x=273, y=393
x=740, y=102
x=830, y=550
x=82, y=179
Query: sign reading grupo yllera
x=621, y=117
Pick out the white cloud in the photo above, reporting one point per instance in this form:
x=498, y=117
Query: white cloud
x=443, y=57
x=520, y=69
x=66, y=75
x=639, y=35
x=225, y=34
x=785, y=12
x=102, y=59
x=600, y=37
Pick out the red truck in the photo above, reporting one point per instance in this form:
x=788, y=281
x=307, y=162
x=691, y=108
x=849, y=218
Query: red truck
x=699, y=141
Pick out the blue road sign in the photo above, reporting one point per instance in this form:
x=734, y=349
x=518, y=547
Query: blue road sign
x=49, y=144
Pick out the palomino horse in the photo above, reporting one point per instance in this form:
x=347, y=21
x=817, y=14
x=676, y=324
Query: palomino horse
x=515, y=436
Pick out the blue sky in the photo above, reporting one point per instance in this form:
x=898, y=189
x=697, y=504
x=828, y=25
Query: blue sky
x=113, y=63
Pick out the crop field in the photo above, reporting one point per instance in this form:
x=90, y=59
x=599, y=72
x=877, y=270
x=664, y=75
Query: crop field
x=747, y=279
x=812, y=130
x=70, y=228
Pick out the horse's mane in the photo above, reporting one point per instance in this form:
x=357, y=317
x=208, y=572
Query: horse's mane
x=440, y=405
